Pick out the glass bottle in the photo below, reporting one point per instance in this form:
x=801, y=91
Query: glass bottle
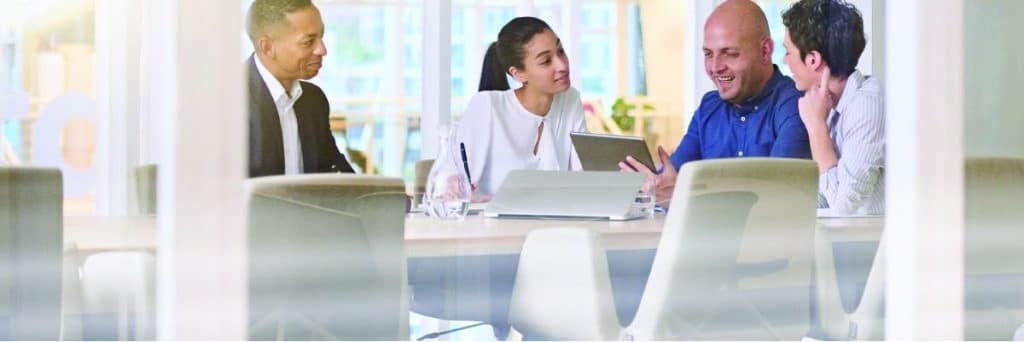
x=448, y=191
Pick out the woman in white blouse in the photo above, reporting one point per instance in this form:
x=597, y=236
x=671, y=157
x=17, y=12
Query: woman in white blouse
x=525, y=128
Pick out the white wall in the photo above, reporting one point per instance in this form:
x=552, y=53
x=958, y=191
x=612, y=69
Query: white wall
x=869, y=60
x=696, y=80
x=994, y=74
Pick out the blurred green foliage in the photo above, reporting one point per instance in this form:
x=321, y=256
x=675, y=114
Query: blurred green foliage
x=622, y=113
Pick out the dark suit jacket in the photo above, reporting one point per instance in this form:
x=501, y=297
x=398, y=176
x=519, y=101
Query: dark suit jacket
x=266, y=149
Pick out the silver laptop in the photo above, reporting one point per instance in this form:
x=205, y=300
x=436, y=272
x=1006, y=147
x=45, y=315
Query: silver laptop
x=565, y=194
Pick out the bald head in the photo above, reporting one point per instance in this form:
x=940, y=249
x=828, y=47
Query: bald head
x=742, y=16
x=738, y=50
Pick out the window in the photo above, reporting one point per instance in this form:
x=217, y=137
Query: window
x=598, y=43
x=475, y=25
x=47, y=93
x=773, y=11
x=373, y=82
x=373, y=74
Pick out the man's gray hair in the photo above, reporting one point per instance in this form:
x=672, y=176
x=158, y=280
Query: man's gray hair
x=265, y=13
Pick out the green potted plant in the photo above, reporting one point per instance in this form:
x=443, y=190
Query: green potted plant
x=623, y=117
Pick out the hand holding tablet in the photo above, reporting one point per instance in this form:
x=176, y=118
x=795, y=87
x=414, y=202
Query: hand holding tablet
x=664, y=183
x=604, y=152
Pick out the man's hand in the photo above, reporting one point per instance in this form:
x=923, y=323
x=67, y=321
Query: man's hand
x=816, y=103
x=815, y=106
x=664, y=183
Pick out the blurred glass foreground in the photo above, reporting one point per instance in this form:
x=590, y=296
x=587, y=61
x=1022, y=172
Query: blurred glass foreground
x=742, y=254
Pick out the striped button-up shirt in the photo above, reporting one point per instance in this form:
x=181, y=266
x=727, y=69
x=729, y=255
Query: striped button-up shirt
x=856, y=185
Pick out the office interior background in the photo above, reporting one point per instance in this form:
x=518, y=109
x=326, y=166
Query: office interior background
x=103, y=88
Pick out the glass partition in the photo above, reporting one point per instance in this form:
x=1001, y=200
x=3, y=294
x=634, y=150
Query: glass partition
x=994, y=171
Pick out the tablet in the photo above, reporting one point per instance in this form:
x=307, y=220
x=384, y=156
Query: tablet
x=603, y=152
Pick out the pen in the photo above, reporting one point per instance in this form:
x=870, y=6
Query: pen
x=465, y=163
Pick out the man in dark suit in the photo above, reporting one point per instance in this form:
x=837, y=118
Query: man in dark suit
x=289, y=128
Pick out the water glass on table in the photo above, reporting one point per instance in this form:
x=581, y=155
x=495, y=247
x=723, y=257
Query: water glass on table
x=646, y=196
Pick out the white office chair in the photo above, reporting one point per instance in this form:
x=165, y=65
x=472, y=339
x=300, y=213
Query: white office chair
x=733, y=262
x=867, y=320
x=31, y=227
x=994, y=265
x=326, y=257
x=994, y=228
x=117, y=296
x=145, y=189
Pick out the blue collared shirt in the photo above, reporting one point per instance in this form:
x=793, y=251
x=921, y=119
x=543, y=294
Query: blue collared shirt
x=766, y=125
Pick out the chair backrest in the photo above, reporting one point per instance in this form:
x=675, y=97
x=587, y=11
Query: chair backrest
x=994, y=231
x=866, y=319
x=735, y=256
x=328, y=251
x=117, y=296
x=31, y=243
x=419, y=185
x=578, y=304
x=145, y=189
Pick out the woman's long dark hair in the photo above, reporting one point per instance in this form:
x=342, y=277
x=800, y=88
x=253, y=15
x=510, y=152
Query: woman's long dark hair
x=508, y=51
x=492, y=75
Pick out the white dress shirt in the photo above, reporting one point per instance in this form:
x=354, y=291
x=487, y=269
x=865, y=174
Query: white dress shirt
x=500, y=135
x=285, y=103
x=856, y=185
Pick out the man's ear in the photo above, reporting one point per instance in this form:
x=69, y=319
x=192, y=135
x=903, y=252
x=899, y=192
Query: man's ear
x=767, y=48
x=517, y=75
x=265, y=46
x=813, y=60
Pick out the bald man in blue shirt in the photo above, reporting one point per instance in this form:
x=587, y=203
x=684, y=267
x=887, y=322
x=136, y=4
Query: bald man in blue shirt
x=754, y=111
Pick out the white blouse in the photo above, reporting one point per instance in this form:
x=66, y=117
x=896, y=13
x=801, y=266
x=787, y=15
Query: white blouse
x=500, y=134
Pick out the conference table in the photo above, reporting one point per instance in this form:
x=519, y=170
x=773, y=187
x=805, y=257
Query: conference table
x=429, y=237
x=464, y=246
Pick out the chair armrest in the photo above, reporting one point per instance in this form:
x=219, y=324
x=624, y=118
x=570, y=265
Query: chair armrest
x=562, y=287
